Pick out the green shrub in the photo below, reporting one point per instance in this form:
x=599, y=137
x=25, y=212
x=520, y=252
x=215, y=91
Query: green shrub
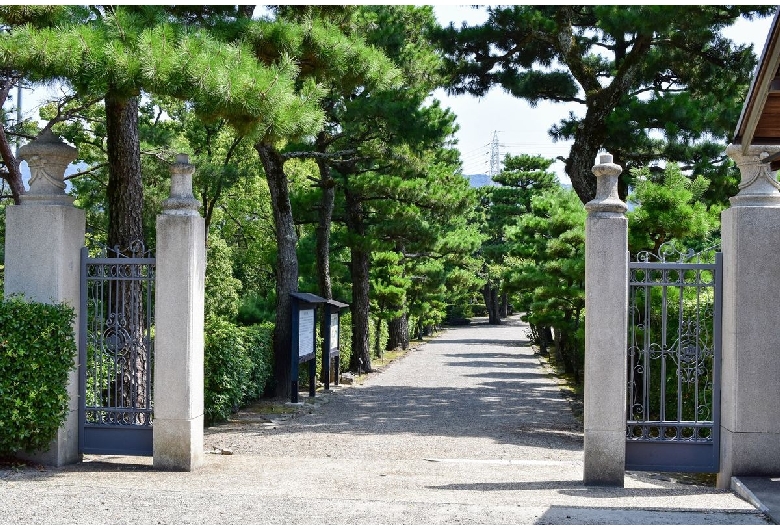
x=37, y=347
x=237, y=366
x=345, y=341
x=255, y=309
x=222, y=288
x=259, y=344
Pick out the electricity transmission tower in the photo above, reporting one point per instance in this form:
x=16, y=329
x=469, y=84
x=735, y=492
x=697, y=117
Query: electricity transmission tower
x=495, y=160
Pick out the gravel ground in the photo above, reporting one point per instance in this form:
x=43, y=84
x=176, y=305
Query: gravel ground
x=468, y=429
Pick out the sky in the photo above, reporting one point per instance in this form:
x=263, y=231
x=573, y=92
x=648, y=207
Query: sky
x=520, y=128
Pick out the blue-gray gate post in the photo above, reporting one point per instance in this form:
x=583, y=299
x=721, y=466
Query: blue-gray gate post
x=750, y=376
x=606, y=307
x=43, y=240
x=179, y=320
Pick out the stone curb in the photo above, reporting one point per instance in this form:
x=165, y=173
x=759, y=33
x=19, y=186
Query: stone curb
x=742, y=491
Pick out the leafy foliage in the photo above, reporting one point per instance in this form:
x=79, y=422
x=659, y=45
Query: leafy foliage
x=222, y=289
x=550, y=242
x=669, y=207
x=237, y=366
x=37, y=348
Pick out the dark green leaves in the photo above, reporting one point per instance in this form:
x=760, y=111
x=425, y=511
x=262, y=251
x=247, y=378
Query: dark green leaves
x=37, y=349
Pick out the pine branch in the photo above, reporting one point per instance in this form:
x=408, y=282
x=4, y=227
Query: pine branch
x=317, y=155
x=65, y=114
x=86, y=171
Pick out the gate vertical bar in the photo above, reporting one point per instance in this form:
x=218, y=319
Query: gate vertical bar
x=717, y=339
x=606, y=315
x=82, y=345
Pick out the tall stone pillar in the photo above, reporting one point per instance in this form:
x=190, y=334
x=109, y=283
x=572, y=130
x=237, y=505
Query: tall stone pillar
x=606, y=307
x=750, y=372
x=179, y=315
x=44, y=236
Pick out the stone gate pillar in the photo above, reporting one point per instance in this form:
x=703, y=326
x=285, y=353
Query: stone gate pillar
x=606, y=307
x=179, y=315
x=750, y=373
x=44, y=236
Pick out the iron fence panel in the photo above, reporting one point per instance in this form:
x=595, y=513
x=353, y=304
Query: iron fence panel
x=116, y=346
x=674, y=363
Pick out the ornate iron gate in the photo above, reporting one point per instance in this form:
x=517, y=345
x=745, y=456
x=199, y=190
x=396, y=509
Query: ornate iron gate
x=674, y=362
x=116, y=352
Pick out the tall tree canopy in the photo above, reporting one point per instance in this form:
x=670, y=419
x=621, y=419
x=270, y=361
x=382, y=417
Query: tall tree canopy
x=118, y=52
x=656, y=82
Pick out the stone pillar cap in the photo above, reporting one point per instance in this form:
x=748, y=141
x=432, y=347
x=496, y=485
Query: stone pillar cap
x=49, y=144
x=607, y=200
x=181, y=200
x=759, y=186
x=47, y=157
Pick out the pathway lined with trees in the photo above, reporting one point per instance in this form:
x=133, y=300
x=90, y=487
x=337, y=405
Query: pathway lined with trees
x=324, y=165
x=469, y=428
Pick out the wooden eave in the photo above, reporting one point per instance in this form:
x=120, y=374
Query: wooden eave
x=759, y=123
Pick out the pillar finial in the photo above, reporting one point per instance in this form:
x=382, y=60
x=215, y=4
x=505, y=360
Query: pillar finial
x=607, y=201
x=181, y=201
x=47, y=157
x=759, y=186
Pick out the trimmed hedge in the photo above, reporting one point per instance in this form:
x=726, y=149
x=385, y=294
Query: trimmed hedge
x=237, y=366
x=37, y=348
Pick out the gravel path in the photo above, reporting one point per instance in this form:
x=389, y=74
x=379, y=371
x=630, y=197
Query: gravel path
x=468, y=429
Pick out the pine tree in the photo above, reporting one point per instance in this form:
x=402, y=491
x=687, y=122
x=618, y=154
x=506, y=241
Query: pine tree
x=522, y=178
x=550, y=242
x=668, y=207
x=637, y=70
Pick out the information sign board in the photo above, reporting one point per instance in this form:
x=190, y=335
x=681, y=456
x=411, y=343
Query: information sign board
x=305, y=333
x=334, y=331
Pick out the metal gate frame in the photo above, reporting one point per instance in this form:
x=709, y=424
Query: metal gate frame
x=671, y=442
x=106, y=427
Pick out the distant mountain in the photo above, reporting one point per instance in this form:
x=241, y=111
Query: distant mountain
x=478, y=181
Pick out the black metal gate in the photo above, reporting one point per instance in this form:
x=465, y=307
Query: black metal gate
x=116, y=352
x=674, y=341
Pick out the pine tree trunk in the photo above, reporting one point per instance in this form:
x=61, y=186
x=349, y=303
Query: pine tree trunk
x=124, y=192
x=399, y=333
x=361, y=358
x=286, y=265
x=359, y=267
x=491, y=302
x=379, y=351
x=124, y=198
x=504, y=310
x=590, y=134
x=324, y=283
x=13, y=175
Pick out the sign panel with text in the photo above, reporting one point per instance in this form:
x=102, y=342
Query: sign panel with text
x=305, y=333
x=334, y=331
